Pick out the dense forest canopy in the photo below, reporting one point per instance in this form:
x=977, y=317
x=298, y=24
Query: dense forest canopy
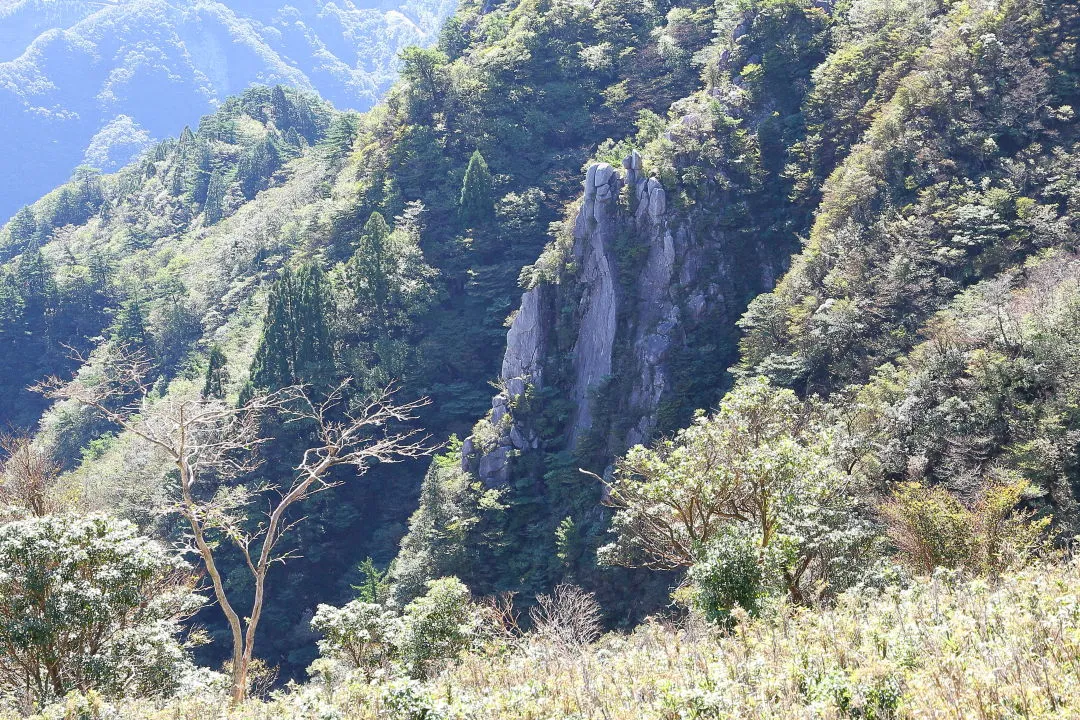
x=755, y=318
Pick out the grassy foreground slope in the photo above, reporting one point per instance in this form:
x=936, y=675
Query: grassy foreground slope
x=939, y=648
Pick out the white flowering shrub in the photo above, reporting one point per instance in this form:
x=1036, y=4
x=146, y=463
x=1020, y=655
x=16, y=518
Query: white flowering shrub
x=432, y=629
x=360, y=635
x=88, y=604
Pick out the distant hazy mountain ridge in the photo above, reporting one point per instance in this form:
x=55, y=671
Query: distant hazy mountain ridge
x=94, y=82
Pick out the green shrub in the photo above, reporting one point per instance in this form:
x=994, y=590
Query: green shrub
x=88, y=604
x=438, y=626
x=932, y=529
x=728, y=575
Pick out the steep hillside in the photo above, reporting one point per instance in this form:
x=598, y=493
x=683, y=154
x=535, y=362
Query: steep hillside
x=419, y=214
x=898, y=174
x=95, y=83
x=629, y=322
x=939, y=266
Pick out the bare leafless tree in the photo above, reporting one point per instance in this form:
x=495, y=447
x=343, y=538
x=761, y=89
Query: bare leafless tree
x=503, y=616
x=569, y=617
x=210, y=440
x=27, y=477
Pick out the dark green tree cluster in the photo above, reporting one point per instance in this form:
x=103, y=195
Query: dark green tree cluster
x=296, y=347
x=41, y=318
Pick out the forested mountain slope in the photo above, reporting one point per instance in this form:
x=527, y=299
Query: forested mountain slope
x=871, y=204
x=95, y=83
x=417, y=217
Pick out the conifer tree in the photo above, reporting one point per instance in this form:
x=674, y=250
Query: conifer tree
x=368, y=269
x=476, y=192
x=215, y=198
x=281, y=109
x=198, y=175
x=187, y=139
x=129, y=329
x=257, y=166
x=24, y=226
x=34, y=279
x=217, y=374
x=340, y=136
x=295, y=346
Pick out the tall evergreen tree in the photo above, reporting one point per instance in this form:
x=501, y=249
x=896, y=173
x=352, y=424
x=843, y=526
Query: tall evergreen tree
x=476, y=192
x=217, y=374
x=340, y=136
x=281, y=109
x=129, y=328
x=214, y=209
x=369, y=269
x=24, y=226
x=257, y=166
x=187, y=139
x=199, y=173
x=36, y=286
x=295, y=346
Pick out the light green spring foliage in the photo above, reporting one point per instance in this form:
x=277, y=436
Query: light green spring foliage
x=750, y=497
x=87, y=603
x=378, y=641
x=933, y=529
x=939, y=648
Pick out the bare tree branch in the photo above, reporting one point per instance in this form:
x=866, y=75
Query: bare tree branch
x=209, y=440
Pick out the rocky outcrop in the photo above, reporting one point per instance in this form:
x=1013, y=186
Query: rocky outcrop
x=525, y=345
x=601, y=218
x=639, y=280
x=593, y=238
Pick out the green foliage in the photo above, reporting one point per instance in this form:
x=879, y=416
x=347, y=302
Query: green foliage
x=757, y=478
x=729, y=575
x=476, y=191
x=942, y=179
x=214, y=207
x=89, y=604
x=424, y=72
x=374, y=586
x=894, y=239
x=217, y=374
x=257, y=166
x=933, y=529
x=440, y=530
x=388, y=287
x=295, y=345
x=935, y=647
x=438, y=626
x=129, y=328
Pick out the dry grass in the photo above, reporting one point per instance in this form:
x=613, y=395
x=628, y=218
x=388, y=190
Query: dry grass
x=941, y=648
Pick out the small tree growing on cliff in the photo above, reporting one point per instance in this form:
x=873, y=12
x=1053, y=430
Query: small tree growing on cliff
x=207, y=439
x=477, y=190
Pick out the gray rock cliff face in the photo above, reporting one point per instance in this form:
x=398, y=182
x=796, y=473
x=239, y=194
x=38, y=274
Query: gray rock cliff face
x=593, y=238
x=639, y=279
